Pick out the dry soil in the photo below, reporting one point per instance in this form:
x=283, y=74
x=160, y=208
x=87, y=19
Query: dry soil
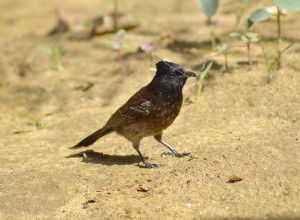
x=243, y=133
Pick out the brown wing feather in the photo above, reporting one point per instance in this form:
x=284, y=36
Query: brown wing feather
x=147, y=107
x=135, y=108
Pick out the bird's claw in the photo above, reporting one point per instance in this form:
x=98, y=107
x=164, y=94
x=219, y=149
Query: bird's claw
x=184, y=154
x=152, y=165
x=173, y=154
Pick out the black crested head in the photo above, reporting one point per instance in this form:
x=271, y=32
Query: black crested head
x=172, y=73
x=168, y=68
x=173, y=69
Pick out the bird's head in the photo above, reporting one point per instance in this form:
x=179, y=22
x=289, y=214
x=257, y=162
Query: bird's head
x=173, y=72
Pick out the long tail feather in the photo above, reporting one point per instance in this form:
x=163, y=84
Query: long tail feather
x=89, y=140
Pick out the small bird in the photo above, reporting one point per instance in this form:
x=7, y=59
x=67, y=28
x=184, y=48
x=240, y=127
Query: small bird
x=149, y=111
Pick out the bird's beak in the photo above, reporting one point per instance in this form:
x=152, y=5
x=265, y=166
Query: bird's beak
x=190, y=74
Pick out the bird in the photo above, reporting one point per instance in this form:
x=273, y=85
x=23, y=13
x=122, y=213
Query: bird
x=149, y=111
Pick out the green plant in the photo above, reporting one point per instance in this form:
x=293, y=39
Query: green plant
x=247, y=38
x=37, y=122
x=271, y=62
x=117, y=45
x=88, y=190
x=262, y=15
x=257, y=16
x=239, y=14
x=271, y=70
x=200, y=78
x=291, y=5
x=209, y=8
x=54, y=52
x=223, y=48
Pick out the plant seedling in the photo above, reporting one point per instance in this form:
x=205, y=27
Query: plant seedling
x=37, y=122
x=248, y=38
x=262, y=14
x=239, y=14
x=291, y=5
x=222, y=48
x=88, y=190
x=200, y=79
x=117, y=45
x=271, y=62
x=54, y=53
x=257, y=16
x=209, y=8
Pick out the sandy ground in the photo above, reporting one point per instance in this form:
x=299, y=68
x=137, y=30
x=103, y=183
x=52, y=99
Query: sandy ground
x=240, y=127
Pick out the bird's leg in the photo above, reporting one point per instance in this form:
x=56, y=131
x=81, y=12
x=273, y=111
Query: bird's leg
x=136, y=145
x=173, y=152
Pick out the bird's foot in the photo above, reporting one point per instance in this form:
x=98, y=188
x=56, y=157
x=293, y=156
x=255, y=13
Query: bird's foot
x=150, y=165
x=175, y=154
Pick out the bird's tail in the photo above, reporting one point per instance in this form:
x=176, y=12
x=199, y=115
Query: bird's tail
x=92, y=138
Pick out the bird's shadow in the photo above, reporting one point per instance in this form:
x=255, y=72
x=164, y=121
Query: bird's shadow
x=90, y=156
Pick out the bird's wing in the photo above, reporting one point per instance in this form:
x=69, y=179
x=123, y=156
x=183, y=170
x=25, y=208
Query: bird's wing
x=136, y=108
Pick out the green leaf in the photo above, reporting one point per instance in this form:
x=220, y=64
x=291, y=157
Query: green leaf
x=234, y=34
x=259, y=15
x=207, y=69
x=254, y=39
x=272, y=73
x=121, y=33
x=209, y=7
x=291, y=5
x=251, y=35
x=46, y=115
x=244, y=38
x=44, y=49
x=57, y=57
x=222, y=47
x=202, y=77
x=33, y=121
x=88, y=190
x=29, y=117
x=245, y=2
x=116, y=45
x=248, y=23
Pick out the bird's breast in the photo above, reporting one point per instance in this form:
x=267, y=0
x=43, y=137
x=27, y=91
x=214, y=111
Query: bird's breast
x=165, y=111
